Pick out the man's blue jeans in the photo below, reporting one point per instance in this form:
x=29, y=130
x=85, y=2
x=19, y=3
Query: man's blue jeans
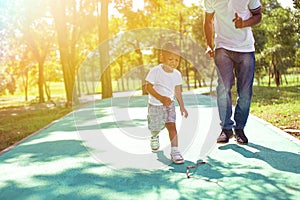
x=231, y=65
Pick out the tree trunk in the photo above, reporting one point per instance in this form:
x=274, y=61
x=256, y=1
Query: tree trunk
x=143, y=73
x=276, y=71
x=269, y=77
x=104, y=48
x=48, y=91
x=187, y=74
x=65, y=57
x=41, y=81
x=277, y=77
x=121, y=63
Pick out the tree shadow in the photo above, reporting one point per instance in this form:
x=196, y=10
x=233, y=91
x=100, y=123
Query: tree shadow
x=46, y=151
x=280, y=160
x=88, y=179
x=204, y=171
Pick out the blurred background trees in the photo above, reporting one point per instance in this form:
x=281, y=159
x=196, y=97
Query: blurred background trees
x=48, y=41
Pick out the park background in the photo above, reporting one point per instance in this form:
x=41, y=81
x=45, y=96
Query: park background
x=45, y=44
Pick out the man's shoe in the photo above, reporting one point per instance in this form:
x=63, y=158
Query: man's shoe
x=154, y=143
x=240, y=136
x=225, y=136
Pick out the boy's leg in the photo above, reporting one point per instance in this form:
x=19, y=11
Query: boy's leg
x=154, y=142
x=175, y=153
x=171, y=126
x=155, y=124
x=155, y=133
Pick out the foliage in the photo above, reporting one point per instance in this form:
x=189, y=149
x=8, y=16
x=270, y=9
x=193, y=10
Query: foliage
x=277, y=42
x=296, y=18
x=7, y=83
x=296, y=4
x=44, y=41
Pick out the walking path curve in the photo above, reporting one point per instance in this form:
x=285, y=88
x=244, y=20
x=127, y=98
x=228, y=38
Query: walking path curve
x=101, y=151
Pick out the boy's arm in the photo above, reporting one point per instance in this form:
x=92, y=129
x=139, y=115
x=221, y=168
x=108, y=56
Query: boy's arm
x=178, y=95
x=163, y=99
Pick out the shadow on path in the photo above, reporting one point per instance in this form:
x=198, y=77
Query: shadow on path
x=280, y=160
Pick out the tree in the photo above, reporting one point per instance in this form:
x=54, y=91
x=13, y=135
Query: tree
x=104, y=51
x=280, y=47
x=32, y=29
x=39, y=38
x=75, y=28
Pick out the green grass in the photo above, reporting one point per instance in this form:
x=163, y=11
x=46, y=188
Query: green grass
x=278, y=105
x=17, y=123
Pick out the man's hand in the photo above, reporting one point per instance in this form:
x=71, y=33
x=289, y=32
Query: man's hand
x=238, y=21
x=209, y=52
x=166, y=101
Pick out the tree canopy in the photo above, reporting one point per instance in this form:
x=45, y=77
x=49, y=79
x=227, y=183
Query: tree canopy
x=44, y=41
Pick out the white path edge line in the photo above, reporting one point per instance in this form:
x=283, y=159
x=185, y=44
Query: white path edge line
x=276, y=129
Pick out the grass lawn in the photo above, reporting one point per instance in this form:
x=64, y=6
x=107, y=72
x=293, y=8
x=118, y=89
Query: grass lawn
x=278, y=105
x=16, y=123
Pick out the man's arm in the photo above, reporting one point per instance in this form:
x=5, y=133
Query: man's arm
x=208, y=31
x=253, y=20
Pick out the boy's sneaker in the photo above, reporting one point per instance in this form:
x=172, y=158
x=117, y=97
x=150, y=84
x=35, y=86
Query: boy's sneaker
x=176, y=157
x=154, y=143
x=240, y=136
x=225, y=136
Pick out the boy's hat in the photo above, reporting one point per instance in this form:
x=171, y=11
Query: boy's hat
x=171, y=48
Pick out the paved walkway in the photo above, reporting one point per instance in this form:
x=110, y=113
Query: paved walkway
x=101, y=151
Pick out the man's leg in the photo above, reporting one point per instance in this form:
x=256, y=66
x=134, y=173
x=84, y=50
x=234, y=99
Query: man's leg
x=244, y=70
x=224, y=66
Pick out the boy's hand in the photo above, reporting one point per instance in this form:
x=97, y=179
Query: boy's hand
x=166, y=101
x=184, y=112
x=238, y=21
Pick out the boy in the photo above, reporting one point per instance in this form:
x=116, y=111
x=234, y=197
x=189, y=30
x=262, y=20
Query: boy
x=163, y=82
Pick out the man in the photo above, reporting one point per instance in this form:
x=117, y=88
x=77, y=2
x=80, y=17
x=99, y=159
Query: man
x=231, y=20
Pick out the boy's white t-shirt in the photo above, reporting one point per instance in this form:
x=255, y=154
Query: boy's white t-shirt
x=163, y=82
x=226, y=35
